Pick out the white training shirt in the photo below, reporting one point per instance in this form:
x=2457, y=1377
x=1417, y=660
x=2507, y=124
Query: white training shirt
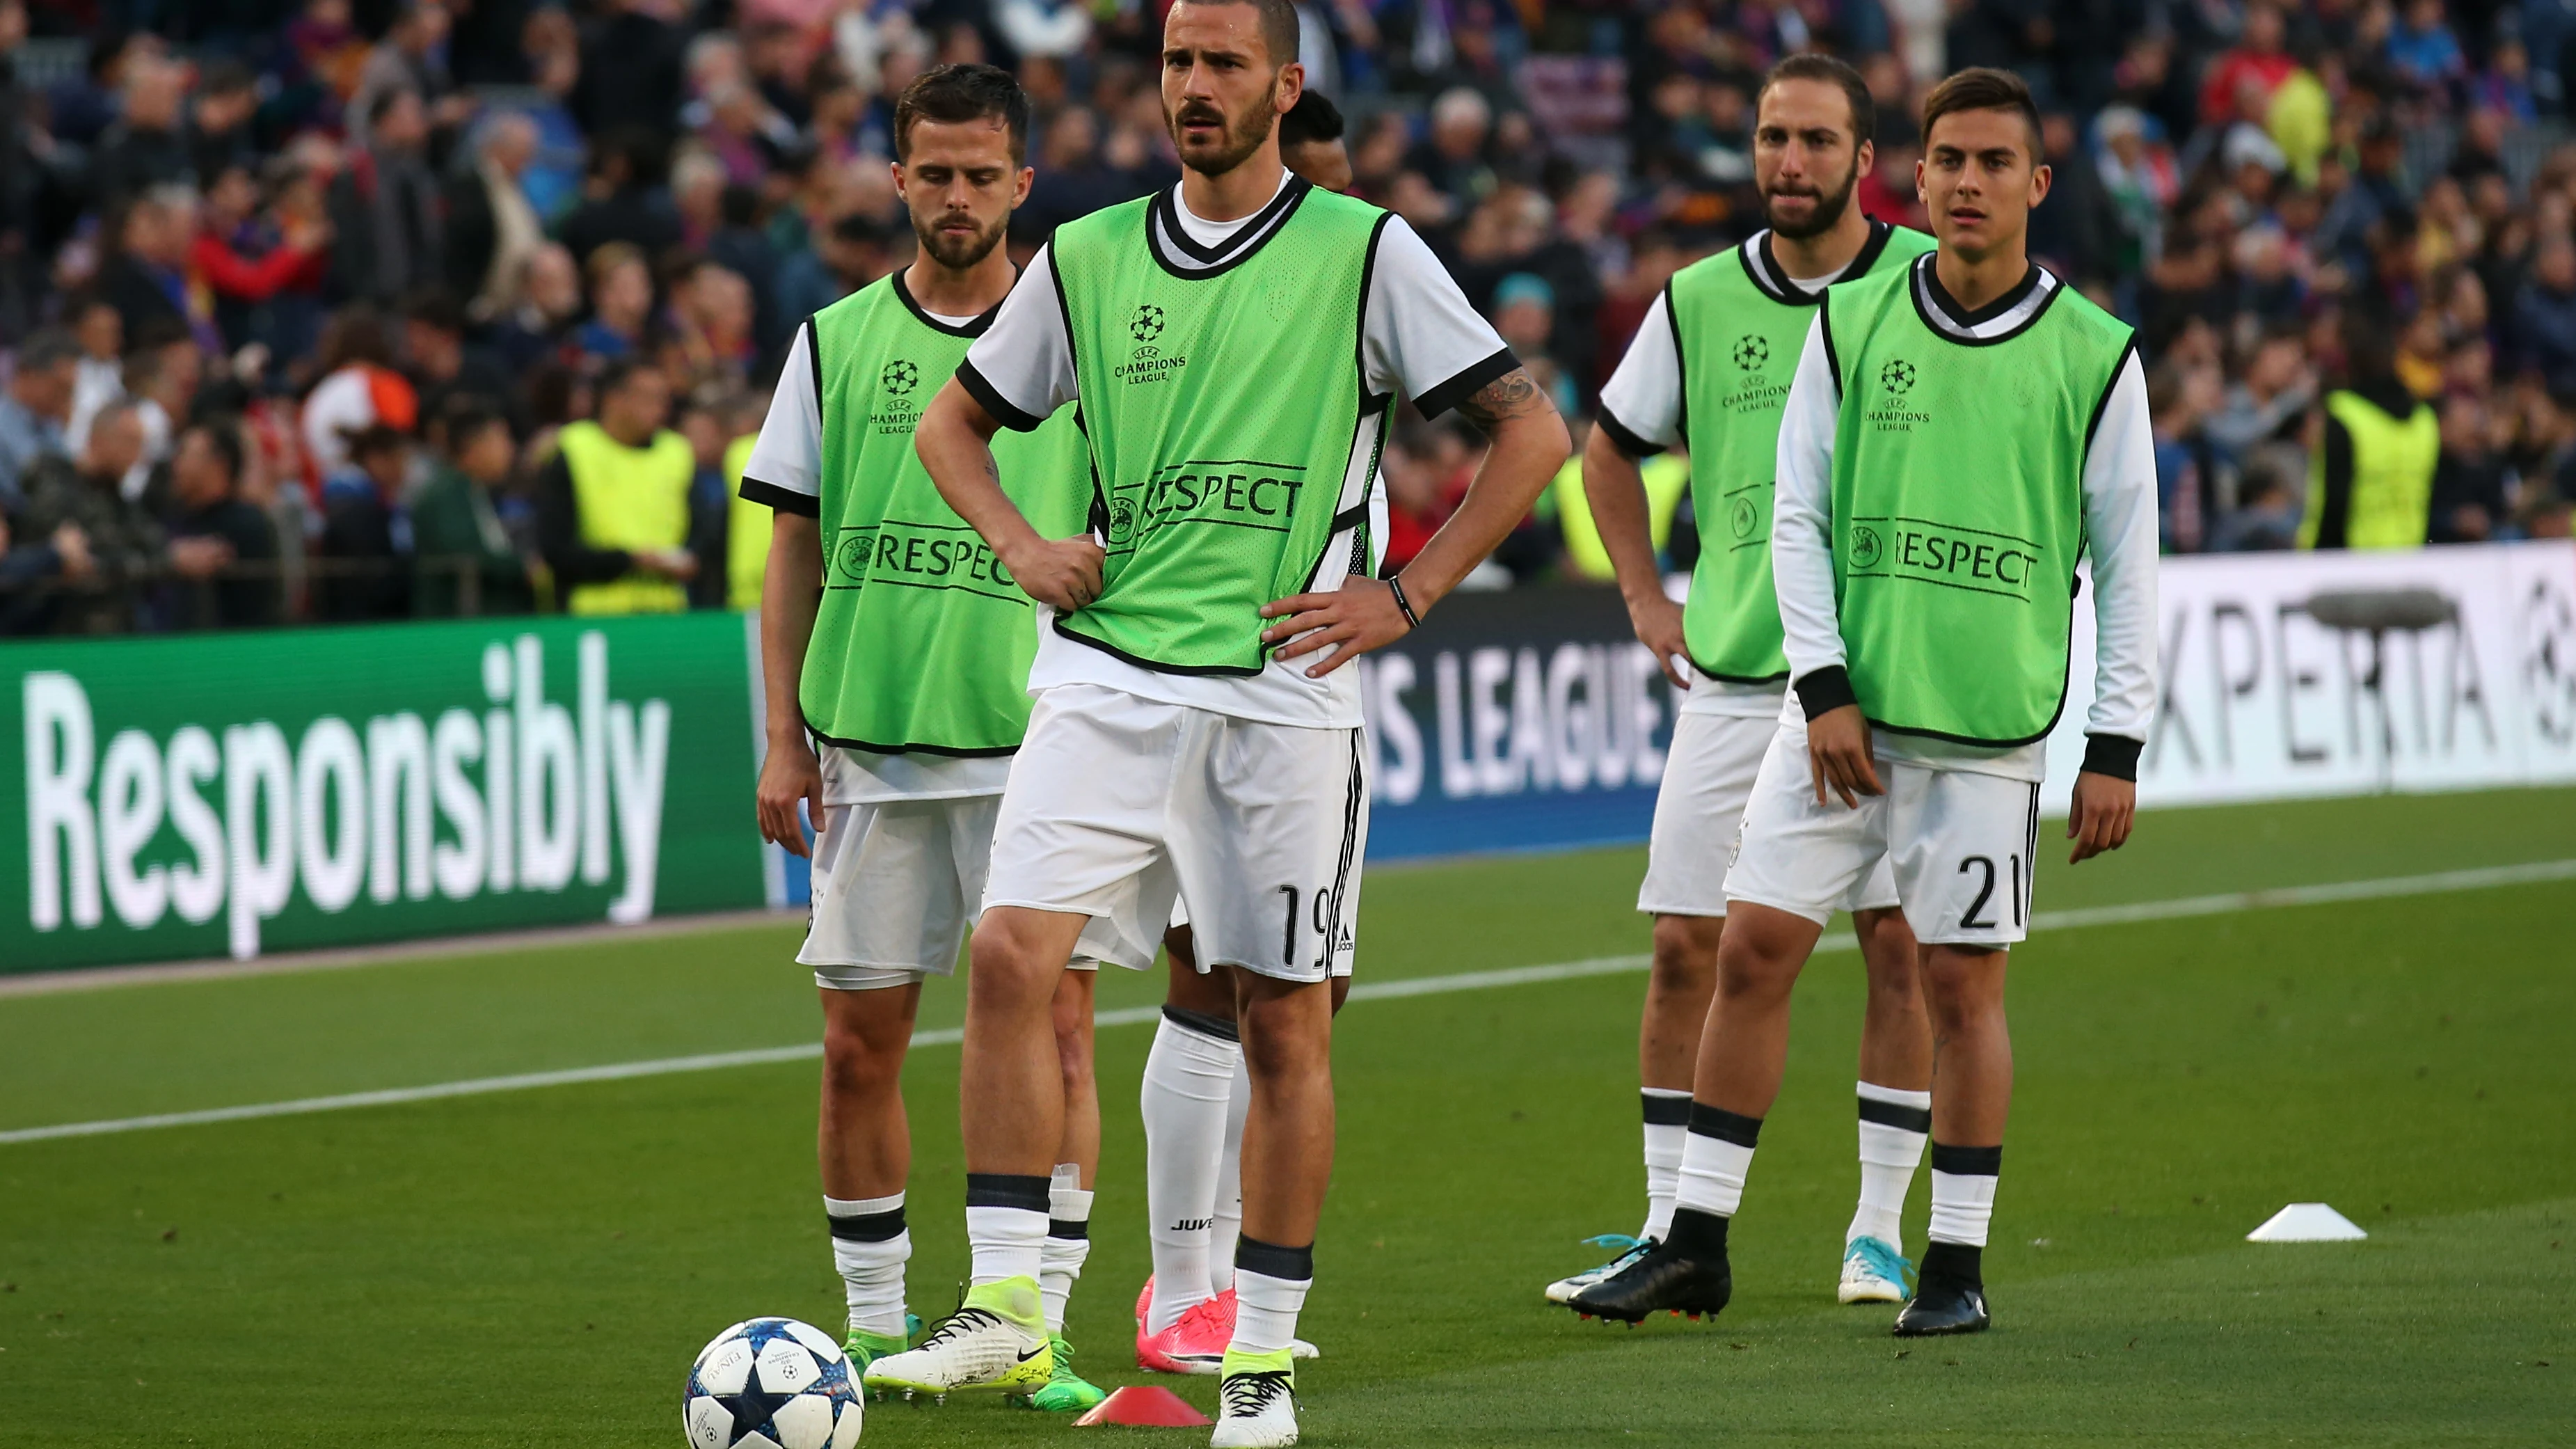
x=1419, y=337
x=1644, y=399
x=2119, y=517
x=788, y=457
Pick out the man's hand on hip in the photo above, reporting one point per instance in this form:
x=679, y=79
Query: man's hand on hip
x=1359, y=616
x=1061, y=573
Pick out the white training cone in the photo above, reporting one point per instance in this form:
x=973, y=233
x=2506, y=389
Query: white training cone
x=2307, y=1222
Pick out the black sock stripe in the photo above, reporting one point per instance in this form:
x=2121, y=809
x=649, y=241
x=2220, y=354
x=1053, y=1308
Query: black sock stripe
x=1293, y=1265
x=1890, y=1114
x=867, y=1227
x=1663, y=1111
x=1219, y=1027
x=1968, y=1161
x=1007, y=1190
x=1069, y=1227
x=1717, y=1122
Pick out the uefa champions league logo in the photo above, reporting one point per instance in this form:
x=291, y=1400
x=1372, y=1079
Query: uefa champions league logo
x=1897, y=377
x=1147, y=324
x=1751, y=352
x=900, y=377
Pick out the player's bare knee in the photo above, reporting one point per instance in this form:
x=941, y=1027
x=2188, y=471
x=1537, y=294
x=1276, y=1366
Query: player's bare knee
x=862, y=1057
x=1961, y=984
x=1686, y=949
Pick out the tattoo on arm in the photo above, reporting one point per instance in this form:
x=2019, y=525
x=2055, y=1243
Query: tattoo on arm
x=1515, y=394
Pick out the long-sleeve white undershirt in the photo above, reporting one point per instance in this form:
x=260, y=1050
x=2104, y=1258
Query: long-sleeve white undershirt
x=2119, y=516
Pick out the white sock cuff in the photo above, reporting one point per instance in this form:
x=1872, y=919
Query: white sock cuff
x=860, y=1207
x=1201, y=1047
x=1664, y=1144
x=1068, y=1205
x=1885, y=1146
x=1963, y=1205
x=1896, y=1096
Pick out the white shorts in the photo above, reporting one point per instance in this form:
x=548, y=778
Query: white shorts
x=1699, y=815
x=1961, y=846
x=895, y=887
x=1119, y=804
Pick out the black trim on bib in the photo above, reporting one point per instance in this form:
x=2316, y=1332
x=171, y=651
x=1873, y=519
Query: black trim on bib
x=1726, y=678
x=915, y=748
x=1924, y=289
x=814, y=363
x=1231, y=671
x=1681, y=365
x=1762, y=266
x=1833, y=360
x=1466, y=383
x=2102, y=404
x=982, y=323
x=785, y=500
x=1359, y=334
x=1163, y=221
x=1628, y=443
x=1003, y=410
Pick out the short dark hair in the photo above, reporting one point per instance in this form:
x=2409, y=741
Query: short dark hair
x=434, y=306
x=1810, y=66
x=1313, y=119
x=466, y=415
x=1983, y=88
x=227, y=77
x=623, y=370
x=1280, y=33
x=957, y=93
x=225, y=434
x=44, y=351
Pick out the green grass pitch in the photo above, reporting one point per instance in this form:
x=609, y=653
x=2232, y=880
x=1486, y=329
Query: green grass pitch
x=537, y=1267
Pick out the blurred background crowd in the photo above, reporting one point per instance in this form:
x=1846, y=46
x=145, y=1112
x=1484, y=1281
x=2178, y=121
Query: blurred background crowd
x=298, y=300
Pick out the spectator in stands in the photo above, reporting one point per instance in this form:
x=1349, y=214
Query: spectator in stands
x=366, y=531
x=458, y=534
x=386, y=232
x=2470, y=501
x=847, y=255
x=146, y=276
x=220, y=116
x=2267, y=518
x=145, y=148
x=2377, y=447
x=2543, y=325
x=492, y=230
x=549, y=298
x=440, y=362
x=1452, y=157
x=100, y=331
x=613, y=504
x=162, y=376
x=631, y=76
x=621, y=200
x=247, y=256
x=709, y=344
x=411, y=57
x=35, y=411
x=213, y=532
x=2424, y=52
x=621, y=303
x=123, y=544
x=359, y=389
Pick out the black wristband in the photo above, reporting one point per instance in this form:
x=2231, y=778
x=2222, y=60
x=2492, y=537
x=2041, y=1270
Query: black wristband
x=2113, y=755
x=1825, y=690
x=1403, y=605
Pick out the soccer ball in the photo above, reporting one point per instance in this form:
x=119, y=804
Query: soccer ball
x=772, y=1383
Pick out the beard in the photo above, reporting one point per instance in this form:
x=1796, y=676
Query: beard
x=1829, y=208
x=958, y=253
x=1242, y=137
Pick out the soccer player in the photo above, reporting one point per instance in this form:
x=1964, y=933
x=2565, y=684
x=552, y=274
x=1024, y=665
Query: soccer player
x=1195, y=1090
x=1235, y=343
x=898, y=642
x=1960, y=431
x=1709, y=369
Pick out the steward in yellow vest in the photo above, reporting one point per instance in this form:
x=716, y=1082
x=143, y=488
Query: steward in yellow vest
x=613, y=505
x=2370, y=476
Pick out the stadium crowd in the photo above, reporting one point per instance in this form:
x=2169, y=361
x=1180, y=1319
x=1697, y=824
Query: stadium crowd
x=305, y=305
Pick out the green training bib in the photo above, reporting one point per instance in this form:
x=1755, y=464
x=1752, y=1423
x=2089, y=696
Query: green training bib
x=1738, y=327
x=1224, y=411
x=1958, y=505
x=923, y=641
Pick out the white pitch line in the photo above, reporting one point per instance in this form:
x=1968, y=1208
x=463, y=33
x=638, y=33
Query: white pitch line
x=2182, y=909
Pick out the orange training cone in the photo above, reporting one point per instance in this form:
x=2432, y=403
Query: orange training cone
x=1147, y=1404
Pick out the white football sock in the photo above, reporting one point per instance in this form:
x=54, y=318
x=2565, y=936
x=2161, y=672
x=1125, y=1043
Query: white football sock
x=1267, y=1302
x=1963, y=1192
x=1227, y=1229
x=1667, y=1123
x=1006, y=1225
x=1189, y=1077
x=1894, y=1125
x=1068, y=1241
x=870, y=1245
x=1717, y=1152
